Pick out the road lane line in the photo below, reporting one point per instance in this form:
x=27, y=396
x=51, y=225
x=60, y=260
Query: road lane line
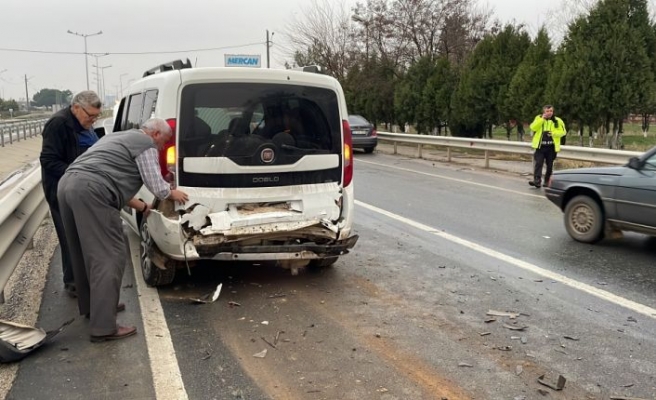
x=601, y=294
x=455, y=179
x=163, y=361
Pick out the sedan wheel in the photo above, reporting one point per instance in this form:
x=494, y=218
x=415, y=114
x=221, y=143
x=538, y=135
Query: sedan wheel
x=584, y=219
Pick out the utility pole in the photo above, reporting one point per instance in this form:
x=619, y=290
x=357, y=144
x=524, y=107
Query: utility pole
x=86, y=54
x=97, y=65
x=27, y=97
x=268, y=47
x=120, y=81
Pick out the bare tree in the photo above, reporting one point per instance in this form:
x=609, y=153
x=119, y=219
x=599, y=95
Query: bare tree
x=323, y=35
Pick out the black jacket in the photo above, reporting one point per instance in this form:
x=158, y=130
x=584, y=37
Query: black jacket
x=60, y=148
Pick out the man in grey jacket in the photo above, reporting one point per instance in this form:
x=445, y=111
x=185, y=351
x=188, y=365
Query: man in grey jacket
x=91, y=194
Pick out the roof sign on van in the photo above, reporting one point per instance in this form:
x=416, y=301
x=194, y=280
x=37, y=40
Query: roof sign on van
x=236, y=60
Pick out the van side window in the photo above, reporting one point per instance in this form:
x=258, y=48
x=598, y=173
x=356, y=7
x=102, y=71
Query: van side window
x=133, y=120
x=149, y=104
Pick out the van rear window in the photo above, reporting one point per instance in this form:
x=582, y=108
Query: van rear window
x=234, y=120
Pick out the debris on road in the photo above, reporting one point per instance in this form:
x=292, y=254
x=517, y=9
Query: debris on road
x=502, y=348
x=574, y=338
x=485, y=333
x=626, y=398
x=275, y=296
x=511, y=315
x=269, y=343
x=631, y=319
x=518, y=370
x=209, y=297
x=523, y=339
x=515, y=327
x=265, y=322
x=560, y=385
x=462, y=364
x=275, y=340
x=261, y=354
x=628, y=385
x=234, y=304
x=488, y=320
x=543, y=392
x=207, y=355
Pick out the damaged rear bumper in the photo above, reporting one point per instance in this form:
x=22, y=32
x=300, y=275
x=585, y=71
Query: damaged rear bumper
x=304, y=251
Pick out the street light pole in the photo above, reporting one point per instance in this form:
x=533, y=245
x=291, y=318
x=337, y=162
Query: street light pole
x=86, y=54
x=120, y=81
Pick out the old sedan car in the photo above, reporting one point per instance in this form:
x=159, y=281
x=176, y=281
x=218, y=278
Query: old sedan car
x=604, y=200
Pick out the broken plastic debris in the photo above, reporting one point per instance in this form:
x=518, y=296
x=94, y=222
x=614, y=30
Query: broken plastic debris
x=462, y=364
x=511, y=315
x=261, y=354
x=209, y=297
x=574, y=338
x=265, y=322
x=631, y=319
x=518, y=370
x=485, y=333
x=523, y=339
x=558, y=386
x=488, y=320
x=515, y=328
x=503, y=348
x=234, y=304
x=197, y=218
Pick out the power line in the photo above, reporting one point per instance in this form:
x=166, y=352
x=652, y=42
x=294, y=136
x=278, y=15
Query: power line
x=132, y=53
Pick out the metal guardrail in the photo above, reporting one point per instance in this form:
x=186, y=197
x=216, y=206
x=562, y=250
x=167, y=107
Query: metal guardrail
x=11, y=131
x=604, y=156
x=22, y=209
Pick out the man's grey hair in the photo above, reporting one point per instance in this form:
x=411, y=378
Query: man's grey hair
x=87, y=98
x=156, y=124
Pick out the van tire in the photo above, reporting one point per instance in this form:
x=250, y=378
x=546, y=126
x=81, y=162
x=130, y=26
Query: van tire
x=152, y=274
x=323, y=262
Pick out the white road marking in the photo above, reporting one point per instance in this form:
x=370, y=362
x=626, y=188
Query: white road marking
x=539, y=196
x=601, y=294
x=163, y=361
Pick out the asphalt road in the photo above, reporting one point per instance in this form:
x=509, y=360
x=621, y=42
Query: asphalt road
x=401, y=317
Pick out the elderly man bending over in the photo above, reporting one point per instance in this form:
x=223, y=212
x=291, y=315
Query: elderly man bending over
x=94, y=189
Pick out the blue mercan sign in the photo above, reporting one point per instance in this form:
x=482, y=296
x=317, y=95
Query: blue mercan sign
x=235, y=60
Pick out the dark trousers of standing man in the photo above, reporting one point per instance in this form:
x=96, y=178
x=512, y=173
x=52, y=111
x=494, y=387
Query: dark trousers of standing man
x=94, y=231
x=67, y=268
x=543, y=154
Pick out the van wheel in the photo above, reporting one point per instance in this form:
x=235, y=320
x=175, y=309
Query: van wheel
x=153, y=275
x=322, y=262
x=369, y=150
x=584, y=220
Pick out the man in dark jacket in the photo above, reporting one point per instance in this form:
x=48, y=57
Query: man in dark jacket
x=66, y=135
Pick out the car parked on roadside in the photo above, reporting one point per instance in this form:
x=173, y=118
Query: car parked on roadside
x=364, y=133
x=265, y=156
x=600, y=201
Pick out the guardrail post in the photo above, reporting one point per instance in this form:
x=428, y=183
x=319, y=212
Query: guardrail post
x=448, y=154
x=419, y=151
x=11, y=135
x=25, y=129
x=2, y=136
x=395, y=149
x=487, y=159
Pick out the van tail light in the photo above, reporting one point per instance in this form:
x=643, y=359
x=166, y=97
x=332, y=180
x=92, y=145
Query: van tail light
x=168, y=156
x=348, y=154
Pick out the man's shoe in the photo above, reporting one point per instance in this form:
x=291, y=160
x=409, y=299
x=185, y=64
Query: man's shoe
x=119, y=307
x=71, y=290
x=535, y=184
x=121, y=332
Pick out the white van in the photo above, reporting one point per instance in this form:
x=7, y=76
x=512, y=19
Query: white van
x=265, y=156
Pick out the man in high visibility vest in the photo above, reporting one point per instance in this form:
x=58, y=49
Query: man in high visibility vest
x=549, y=130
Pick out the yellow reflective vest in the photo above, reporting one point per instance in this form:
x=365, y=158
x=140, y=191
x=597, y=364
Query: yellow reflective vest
x=540, y=125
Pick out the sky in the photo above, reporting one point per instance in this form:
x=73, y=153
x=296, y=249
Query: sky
x=137, y=26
